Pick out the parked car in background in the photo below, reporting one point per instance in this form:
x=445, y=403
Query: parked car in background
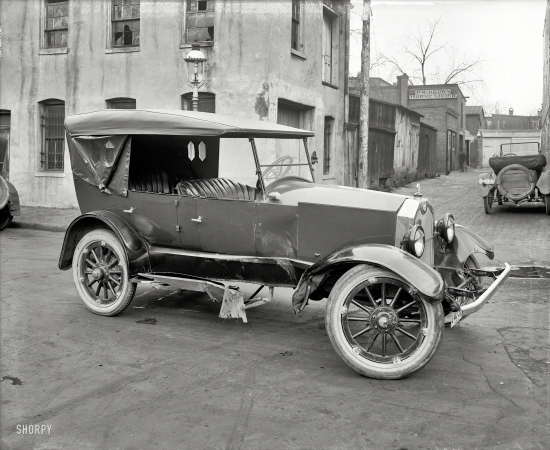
x=9, y=198
x=201, y=201
x=518, y=177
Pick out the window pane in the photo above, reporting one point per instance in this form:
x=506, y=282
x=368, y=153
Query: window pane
x=54, y=137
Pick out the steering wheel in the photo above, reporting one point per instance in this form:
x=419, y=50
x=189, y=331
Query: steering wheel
x=276, y=170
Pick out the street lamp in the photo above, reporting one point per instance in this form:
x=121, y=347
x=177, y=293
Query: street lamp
x=195, y=72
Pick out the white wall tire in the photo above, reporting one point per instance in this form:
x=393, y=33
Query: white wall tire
x=100, y=273
x=384, y=306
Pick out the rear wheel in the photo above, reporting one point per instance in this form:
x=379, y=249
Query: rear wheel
x=5, y=217
x=488, y=203
x=100, y=273
x=380, y=326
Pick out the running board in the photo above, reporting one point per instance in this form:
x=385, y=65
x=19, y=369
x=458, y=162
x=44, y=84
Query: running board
x=231, y=298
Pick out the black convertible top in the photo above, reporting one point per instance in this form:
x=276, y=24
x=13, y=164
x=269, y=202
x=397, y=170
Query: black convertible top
x=532, y=162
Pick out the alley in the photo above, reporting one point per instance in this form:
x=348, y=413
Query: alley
x=167, y=373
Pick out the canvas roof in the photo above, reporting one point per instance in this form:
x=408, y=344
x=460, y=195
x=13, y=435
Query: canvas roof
x=175, y=122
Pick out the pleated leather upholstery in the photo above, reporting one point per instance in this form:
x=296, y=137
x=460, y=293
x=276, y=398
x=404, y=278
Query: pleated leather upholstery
x=216, y=188
x=153, y=180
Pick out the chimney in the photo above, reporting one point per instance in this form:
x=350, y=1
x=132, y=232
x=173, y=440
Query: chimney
x=511, y=111
x=403, y=89
x=539, y=112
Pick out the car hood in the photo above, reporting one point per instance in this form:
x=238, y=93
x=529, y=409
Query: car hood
x=294, y=192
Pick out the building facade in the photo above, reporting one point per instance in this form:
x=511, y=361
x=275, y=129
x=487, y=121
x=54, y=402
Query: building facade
x=394, y=140
x=545, y=117
x=282, y=62
x=475, y=121
x=442, y=106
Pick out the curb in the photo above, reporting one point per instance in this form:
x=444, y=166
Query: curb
x=39, y=226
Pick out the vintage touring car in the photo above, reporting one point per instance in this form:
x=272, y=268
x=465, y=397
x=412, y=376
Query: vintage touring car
x=9, y=198
x=201, y=201
x=518, y=177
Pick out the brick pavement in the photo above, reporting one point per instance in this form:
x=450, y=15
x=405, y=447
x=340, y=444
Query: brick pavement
x=520, y=234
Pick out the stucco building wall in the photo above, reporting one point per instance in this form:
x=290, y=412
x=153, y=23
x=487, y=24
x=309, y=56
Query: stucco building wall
x=250, y=57
x=545, y=139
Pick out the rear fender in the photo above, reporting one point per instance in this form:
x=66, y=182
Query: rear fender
x=465, y=243
x=418, y=274
x=136, y=248
x=543, y=183
x=15, y=207
x=486, y=183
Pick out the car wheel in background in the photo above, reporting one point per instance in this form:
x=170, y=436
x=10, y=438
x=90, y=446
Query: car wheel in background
x=488, y=203
x=5, y=217
x=380, y=326
x=100, y=273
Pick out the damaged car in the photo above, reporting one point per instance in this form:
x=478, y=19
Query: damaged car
x=201, y=201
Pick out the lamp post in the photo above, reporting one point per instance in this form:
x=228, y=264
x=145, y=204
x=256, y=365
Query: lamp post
x=195, y=72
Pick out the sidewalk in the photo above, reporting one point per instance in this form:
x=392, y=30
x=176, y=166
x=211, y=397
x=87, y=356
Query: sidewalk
x=45, y=219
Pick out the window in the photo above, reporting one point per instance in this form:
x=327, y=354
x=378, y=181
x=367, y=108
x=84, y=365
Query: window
x=121, y=103
x=200, y=21
x=125, y=23
x=53, y=135
x=327, y=48
x=56, y=27
x=296, y=42
x=294, y=114
x=207, y=102
x=329, y=123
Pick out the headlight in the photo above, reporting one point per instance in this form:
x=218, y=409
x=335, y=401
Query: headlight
x=416, y=241
x=446, y=228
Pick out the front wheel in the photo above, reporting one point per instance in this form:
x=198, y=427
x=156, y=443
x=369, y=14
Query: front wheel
x=380, y=326
x=100, y=273
x=5, y=217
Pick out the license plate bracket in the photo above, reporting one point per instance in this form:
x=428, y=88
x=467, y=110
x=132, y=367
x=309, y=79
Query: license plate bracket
x=456, y=316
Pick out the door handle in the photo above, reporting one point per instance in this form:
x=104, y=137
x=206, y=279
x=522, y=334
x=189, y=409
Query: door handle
x=198, y=219
x=131, y=210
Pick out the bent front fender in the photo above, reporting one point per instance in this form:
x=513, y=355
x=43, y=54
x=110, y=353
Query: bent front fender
x=418, y=274
x=465, y=243
x=136, y=248
x=486, y=183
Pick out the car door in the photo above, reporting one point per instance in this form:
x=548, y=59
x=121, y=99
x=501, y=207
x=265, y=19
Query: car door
x=154, y=216
x=226, y=225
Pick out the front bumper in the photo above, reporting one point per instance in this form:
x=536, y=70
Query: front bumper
x=479, y=301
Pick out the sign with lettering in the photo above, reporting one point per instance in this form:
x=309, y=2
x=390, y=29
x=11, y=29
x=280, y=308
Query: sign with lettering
x=421, y=94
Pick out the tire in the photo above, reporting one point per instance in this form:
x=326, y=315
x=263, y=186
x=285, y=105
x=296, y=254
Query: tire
x=547, y=204
x=488, y=203
x=5, y=217
x=100, y=273
x=351, y=332
x=515, y=182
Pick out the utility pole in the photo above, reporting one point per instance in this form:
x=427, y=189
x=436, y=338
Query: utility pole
x=363, y=166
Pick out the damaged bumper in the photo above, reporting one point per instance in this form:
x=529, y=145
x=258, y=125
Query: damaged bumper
x=481, y=297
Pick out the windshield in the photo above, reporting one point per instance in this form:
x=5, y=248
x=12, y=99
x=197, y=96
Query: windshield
x=278, y=158
x=282, y=158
